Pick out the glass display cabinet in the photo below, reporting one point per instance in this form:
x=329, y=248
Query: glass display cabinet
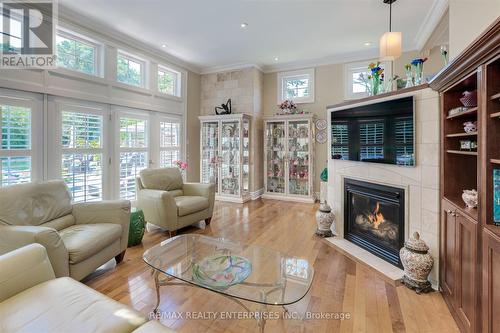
x=289, y=157
x=225, y=155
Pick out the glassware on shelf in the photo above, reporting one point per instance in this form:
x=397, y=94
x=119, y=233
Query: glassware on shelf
x=298, y=152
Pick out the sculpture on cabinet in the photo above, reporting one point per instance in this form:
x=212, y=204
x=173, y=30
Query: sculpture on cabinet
x=225, y=108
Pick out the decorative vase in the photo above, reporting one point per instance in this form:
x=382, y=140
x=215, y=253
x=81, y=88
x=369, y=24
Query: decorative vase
x=419, y=73
x=409, y=79
x=444, y=55
x=417, y=263
x=470, y=197
x=137, y=227
x=325, y=219
x=375, y=86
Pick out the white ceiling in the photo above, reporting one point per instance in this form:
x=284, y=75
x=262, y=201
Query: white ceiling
x=207, y=33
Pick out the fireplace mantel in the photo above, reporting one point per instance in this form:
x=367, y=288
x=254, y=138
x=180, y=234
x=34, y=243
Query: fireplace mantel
x=421, y=182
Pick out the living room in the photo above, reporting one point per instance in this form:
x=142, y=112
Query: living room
x=250, y=166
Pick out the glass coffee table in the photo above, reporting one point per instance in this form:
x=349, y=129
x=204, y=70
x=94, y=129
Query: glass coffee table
x=230, y=269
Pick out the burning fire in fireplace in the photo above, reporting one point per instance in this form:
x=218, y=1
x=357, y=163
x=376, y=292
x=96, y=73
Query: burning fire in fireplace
x=376, y=217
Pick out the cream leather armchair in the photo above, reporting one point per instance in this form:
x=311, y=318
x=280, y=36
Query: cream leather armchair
x=78, y=238
x=171, y=204
x=33, y=300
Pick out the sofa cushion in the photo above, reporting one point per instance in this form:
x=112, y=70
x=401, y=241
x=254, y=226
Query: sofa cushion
x=86, y=240
x=189, y=205
x=65, y=305
x=34, y=203
x=165, y=179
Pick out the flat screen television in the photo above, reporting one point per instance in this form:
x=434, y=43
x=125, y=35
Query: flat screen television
x=382, y=132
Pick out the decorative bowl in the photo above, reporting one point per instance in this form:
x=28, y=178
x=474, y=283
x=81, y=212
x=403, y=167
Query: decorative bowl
x=222, y=271
x=469, y=99
x=470, y=126
x=470, y=197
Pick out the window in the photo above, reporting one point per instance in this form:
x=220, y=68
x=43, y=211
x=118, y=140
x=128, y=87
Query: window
x=14, y=32
x=170, y=142
x=130, y=70
x=77, y=54
x=133, y=152
x=404, y=142
x=20, y=148
x=355, y=86
x=82, y=154
x=371, y=137
x=340, y=140
x=297, y=86
x=168, y=81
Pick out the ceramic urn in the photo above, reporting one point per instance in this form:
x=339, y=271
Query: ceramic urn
x=324, y=219
x=417, y=263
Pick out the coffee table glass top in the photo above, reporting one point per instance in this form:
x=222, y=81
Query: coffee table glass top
x=247, y=272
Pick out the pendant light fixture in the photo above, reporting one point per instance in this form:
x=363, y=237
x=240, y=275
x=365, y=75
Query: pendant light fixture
x=390, y=42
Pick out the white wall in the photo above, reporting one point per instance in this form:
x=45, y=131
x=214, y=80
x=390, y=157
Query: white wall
x=468, y=19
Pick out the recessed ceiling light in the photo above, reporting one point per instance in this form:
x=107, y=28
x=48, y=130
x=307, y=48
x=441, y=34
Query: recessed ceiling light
x=276, y=58
x=244, y=25
x=164, y=45
x=368, y=43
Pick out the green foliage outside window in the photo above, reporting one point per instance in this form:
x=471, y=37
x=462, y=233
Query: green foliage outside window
x=128, y=71
x=75, y=55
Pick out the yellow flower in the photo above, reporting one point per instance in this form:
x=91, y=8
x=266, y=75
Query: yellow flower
x=371, y=65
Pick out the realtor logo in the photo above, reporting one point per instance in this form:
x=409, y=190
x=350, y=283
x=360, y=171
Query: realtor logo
x=27, y=31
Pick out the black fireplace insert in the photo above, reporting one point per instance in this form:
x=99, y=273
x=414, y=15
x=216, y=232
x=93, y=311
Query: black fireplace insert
x=374, y=218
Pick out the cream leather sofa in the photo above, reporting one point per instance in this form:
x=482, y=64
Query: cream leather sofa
x=171, y=204
x=78, y=237
x=33, y=300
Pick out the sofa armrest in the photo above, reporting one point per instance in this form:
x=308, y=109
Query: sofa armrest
x=159, y=208
x=22, y=269
x=202, y=190
x=111, y=211
x=197, y=189
x=152, y=326
x=15, y=237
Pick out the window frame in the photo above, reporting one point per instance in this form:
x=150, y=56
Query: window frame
x=58, y=105
x=144, y=68
x=122, y=112
x=180, y=139
x=98, y=51
x=177, y=82
x=36, y=151
x=304, y=73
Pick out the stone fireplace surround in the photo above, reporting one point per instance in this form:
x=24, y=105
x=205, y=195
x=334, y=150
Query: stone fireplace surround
x=421, y=184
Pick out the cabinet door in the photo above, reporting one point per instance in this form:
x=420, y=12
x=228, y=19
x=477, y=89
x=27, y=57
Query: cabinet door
x=298, y=157
x=245, y=148
x=275, y=142
x=448, y=248
x=210, y=153
x=230, y=161
x=467, y=263
x=491, y=282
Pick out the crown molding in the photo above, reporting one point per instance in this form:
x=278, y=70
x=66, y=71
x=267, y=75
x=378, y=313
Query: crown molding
x=227, y=68
x=116, y=38
x=431, y=21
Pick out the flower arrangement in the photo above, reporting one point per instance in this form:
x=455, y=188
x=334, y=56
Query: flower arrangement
x=181, y=165
x=376, y=77
x=409, y=76
x=418, y=64
x=288, y=106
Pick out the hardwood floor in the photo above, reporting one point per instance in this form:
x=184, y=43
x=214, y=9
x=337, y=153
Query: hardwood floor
x=340, y=284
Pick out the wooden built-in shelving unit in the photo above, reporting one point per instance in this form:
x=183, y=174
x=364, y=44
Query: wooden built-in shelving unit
x=470, y=241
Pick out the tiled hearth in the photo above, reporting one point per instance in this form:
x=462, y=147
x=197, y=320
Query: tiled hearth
x=421, y=185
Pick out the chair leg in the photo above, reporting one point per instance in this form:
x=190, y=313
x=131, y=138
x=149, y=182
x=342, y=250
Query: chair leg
x=119, y=258
x=207, y=221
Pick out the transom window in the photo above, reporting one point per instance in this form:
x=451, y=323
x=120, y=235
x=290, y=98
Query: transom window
x=168, y=81
x=130, y=70
x=356, y=76
x=76, y=54
x=82, y=154
x=297, y=86
x=170, y=148
x=14, y=32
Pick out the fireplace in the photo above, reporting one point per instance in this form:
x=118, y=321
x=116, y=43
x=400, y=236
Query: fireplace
x=374, y=218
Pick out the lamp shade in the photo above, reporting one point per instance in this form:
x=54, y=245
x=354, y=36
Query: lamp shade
x=390, y=46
